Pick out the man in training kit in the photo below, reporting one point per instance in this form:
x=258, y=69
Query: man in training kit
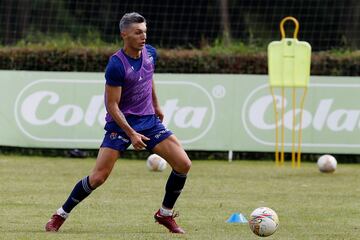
x=133, y=117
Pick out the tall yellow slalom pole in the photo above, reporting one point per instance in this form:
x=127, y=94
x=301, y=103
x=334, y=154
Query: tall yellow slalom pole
x=282, y=126
x=300, y=127
x=289, y=67
x=277, y=159
x=293, y=159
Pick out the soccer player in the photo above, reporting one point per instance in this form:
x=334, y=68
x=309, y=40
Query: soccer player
x=133, y=117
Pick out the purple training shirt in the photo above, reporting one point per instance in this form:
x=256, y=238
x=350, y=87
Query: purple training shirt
x=136, y=95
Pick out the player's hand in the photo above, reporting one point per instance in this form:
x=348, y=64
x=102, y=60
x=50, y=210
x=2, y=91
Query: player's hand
x=137, y=140
x=159, y=113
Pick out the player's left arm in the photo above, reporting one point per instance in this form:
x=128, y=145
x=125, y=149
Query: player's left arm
x=156, y=104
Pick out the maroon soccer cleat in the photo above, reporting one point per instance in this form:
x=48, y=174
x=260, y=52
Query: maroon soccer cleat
x=168, y=222
x=54, y=223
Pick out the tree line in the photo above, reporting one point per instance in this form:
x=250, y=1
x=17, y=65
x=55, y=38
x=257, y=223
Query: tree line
x=325, y=24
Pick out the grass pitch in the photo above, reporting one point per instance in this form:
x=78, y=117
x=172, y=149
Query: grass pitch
x=310, y=205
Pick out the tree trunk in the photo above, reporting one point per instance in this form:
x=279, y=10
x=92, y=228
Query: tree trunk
x=352, y=25
x=8, y=5
x=23, y=17
x=224, y=11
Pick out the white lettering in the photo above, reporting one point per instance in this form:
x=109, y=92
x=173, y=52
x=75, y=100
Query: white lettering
x=93, y=109
x=335, y=119
x=258, y=110
x=65, y=115
x=31, y=104
x=190, y=117
x=72, y=112
x=261, y=107
x=169, y=108
x=184, y=117
x=288, y=119
x=322, y=111
x=343, y=120
x=101, y=117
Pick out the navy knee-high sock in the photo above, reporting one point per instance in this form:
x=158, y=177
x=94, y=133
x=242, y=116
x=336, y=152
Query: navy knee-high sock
x=174, y=186
x=81, y=190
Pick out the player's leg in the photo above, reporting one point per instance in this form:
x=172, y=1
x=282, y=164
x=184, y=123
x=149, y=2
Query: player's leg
x=103, y=166
x=171, y=150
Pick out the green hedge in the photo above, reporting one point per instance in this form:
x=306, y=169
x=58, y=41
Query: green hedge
x=169, y=61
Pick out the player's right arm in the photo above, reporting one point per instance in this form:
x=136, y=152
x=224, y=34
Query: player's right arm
x=113, y=96
x=114, y=82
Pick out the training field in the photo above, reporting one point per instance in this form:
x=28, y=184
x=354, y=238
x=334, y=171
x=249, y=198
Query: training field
x=310, y=205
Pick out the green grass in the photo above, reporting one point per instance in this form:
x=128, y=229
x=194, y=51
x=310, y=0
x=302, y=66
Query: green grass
x=310, y=205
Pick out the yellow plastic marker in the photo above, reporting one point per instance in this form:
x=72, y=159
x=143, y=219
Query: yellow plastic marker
x=289, y=60
x=289, y=66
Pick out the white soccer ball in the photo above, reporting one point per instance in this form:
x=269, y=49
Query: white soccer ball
x=263, y=221
x=156, y=163
x=327, y=163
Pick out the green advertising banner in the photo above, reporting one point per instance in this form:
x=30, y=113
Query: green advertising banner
x=205, y=111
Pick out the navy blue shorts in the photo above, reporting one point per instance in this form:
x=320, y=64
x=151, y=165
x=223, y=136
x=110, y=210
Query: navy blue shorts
x=120, y=141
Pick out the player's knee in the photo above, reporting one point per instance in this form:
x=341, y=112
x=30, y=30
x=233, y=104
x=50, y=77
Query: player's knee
x=98, y=179
x=185, y=166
